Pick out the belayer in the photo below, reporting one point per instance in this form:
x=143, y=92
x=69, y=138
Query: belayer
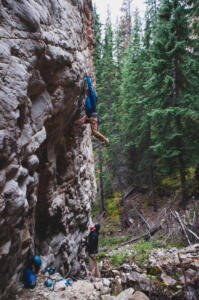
x=91, y=114
x=91, y=244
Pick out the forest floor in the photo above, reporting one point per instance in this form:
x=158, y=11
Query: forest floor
x=159, y=267
x=142, y=217
x=167, y=274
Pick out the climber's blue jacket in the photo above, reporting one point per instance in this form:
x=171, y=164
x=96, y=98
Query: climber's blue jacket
x=91, y=100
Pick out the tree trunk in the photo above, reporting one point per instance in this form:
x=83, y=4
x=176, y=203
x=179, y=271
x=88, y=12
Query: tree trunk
x=124, y=215
x=101, y=187
x=152, y=187
x=151, y=169
x=145, y=236
x=182, y=179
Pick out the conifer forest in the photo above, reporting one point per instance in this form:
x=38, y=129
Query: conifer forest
x=147, y=82
x=107, y=213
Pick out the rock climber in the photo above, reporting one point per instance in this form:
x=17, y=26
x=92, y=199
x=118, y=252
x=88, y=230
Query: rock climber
x=91, y=114
x=92, y=248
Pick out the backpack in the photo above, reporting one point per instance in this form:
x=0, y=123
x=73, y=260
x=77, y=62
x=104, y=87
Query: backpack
x=29, y=279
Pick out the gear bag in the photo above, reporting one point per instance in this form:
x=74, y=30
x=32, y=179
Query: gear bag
x=29, y=279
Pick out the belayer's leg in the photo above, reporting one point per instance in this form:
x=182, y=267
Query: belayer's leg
x=93, y=265
x=97, y=134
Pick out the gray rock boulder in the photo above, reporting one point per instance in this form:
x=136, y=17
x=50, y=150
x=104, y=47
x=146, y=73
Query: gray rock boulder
x=139, y=296
x=168, y=280
x=126, y=294
x=139, y=281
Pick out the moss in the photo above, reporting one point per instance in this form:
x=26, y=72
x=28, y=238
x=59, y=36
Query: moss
x=163, y=284
x=145, y=204
x=178, y=274
x=112, y=206
x=153, y=277
x=172, y=182
x=171, y=291
x=154, y=271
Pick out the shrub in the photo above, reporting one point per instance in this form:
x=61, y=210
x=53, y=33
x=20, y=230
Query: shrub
x=112, y=242
x=101, y=255
x=119, y=259
x=143, y=249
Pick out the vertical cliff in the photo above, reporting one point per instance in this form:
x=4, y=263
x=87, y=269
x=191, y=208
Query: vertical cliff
x=46, y=170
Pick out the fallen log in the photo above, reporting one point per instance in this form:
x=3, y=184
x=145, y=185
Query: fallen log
x=146, y=235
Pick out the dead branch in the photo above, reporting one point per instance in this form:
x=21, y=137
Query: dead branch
x=124, y=197
x=143, y=219
x=146, y=235
x=176, y=215
x=193, y=233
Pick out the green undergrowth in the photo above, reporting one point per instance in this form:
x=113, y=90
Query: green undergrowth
x=120, y=258
x=143, y=248
x=112, y=242
x=112, y=209
x=170, y=185
x=111, y=225
x=139, y=256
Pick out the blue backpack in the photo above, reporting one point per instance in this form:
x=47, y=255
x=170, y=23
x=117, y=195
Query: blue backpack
x=29, y=279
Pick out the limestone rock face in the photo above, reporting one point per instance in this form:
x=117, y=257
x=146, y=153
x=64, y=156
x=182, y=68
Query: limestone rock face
x=47, y=179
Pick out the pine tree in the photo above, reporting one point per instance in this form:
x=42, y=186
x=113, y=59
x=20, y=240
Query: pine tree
x=132, y=88
x=152, y=7
x=97, y=43
x=105, y=72
x=126, y=21
x=194, y=13
x=147, y=162
x=97, y=52
x=134, y=124
x=175, y=87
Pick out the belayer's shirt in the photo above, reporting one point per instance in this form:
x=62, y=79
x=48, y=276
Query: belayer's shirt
x=92, y=242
